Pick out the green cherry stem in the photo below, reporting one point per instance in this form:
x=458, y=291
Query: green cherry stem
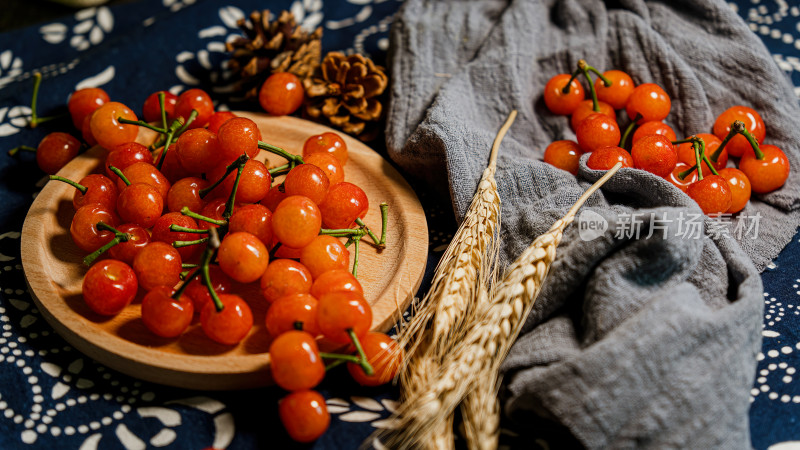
x=118, y=237
x=279, y=170
x=384, y=223
x=232, y=198
x=361, y=355
x=369, y=232
x=686, y=172
x=627, y=132
x=189, y=120
x=16, y=150
x=161, y=104
x=120, y=175
x=141, y=123
x=74, y=184
x=208, y=255
x=575, y=73
x=340, y=357
x=741, y=129
x=189, y=266
x=181, y=244
x=697, y=157
x=168, y=141
x=35, y=119
x=228, y=170
x=292, y=158
x=187, y=212
x=176, y=227
x=606, y=81
x=187, y=279
x=356, y=242
x=585, y=69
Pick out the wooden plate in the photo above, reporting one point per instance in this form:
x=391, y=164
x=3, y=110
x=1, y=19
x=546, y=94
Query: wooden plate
x=54, y=273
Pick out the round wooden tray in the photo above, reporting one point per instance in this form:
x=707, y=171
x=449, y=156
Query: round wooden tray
x=54, y=272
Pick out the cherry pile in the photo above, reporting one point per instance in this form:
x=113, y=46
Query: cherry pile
x=193, y=215
x=698, y=165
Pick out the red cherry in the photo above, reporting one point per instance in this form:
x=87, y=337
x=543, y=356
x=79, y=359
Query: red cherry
x=141, y=204
x=654, y=154
x=281, y=94
x=564, y=154
x=738, y=145
x=284, y=313
x=108, y=130
x=55, y=150
x=586, y=109
x=304, y=415
x=295, y=362
x=83, y=228
x=217, y=119
x=604, y=158
x=767, y=174
x=243, y=257
x=125, y=155
x=597, y=130
x=296, y=221
x=285, y=277
x=162, y=233
x=335, y=281
x=326, y=143
x=127, y=251
x=712, y=193
x=198, y=292
x=682, y=184
x=198, y=150
x=344, y=203
x=325, y=253
x=164, y=315
x=654, y=127
x=559, y=102
x=151, y=110
x=307, y=180
x=329, y=164
x=99, y=189
x=237, y=136
x=648, y=102
x=196, y=99
x=619, y=92
x=186, y=193
x=383, y=354
x=157, y=264
x=109, y=286
x=230, y=325
x=339, y=312
x=84, y=102
x=740, y=188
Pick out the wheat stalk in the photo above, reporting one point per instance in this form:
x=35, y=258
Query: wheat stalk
x=489, y=338
x=462, y=268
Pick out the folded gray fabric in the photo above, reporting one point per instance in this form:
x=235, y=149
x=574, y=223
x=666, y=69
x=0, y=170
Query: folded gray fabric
x=646, y=332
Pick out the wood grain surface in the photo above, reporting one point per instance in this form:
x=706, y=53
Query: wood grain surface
x=54, y=272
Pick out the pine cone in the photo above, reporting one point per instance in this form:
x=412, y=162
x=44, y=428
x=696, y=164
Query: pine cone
x=345, y=92
x=269, y=47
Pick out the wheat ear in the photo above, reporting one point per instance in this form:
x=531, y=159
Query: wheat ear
x=488, y=340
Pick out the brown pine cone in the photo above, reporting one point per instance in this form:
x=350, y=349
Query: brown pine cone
x=269, y=47
x=345, y=92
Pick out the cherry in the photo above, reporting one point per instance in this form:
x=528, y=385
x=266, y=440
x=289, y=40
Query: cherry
x=712, y=193
x=558, y=101
x=125, y=155
x=157, y=264
x=151, y=109
x=86, y=131
x=738, y=145
x=126, y=251
x=230, y=325
x=285, y=277
x=604, y=158
x=296, y=221
x=274, y=197
x=143, y=172
x=84, y=102
x=107, y=129
x=162, y=233
x=285, y=313
x=171, y=168
x=383, y=354
x=339, y=313
x=307, y=180
x=648, y=102
x=329, y=164
x=198, y=100
x=186, y=193
x=682, y=184
x=597, y=130
x=619, y=92
x=295, y=362
x=335, y=281
x=83, y=228
x=164, y=315
x=564, y=154
x=586, y=109
x=344, y=203
x=327, y=142
x=243, y=257
x=655, y=154
x=255, y=219
x=766, y=174
x=55, y=150
x=198, y=291
x=304, y=415
x=217, y=119
x=213, y=210
x=324, y=253
x=141, y=204
x=254, y=182
x=236, y=136
x=198, y=150
x=740, y=188
x=281, y=94
x=655, y=127
x=109, y=286
x=93, y=188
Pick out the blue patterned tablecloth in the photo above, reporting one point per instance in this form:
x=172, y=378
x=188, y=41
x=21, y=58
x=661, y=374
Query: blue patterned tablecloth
x=52, y=396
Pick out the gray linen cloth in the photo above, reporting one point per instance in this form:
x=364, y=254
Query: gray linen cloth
x=642, y=339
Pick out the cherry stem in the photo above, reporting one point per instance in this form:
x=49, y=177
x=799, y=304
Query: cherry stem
x=187, y=212
x=369, y=232
x=335, y=363
x=292, y=158
x=575, y=74
x=189, y=266
x=180, y=228
x=298, y=325
x=356, y=242
x=189, y=120
x=628, y=130
x=168, y=142
x=274, y=251
x=188, y=279
x=341, y=357
x=585, y=69
x=342, y=232
x=686, y=172
x=141, y=123
x=606, y=81
x=699, y=147
x=16, y=150
x=35, y=119
x=361, y=355
x=279, y=170
x=161, y=103
x=753, y=142
x=384, y=222
x=181, y=244
x=120, y=175
x=118, y=237
x=228, y=170
x=208, y=254
x=74, y=184
x=232, y=198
